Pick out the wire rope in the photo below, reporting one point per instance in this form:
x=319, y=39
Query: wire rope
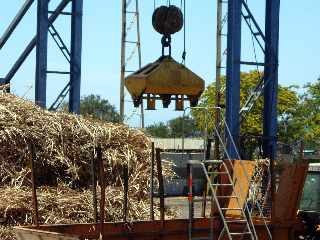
x=184, y=54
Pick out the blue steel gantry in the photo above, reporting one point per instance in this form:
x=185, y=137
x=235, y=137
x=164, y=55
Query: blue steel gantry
x=268, y=87
x=237, y=10
x=45, y=26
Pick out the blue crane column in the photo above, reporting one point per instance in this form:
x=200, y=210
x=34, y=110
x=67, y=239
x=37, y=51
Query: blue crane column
x=41, y=53
x=233, y=74
x=75, y=61
x=271, y=78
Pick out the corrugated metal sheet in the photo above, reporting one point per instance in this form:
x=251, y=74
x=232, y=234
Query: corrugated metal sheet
x=176, y=143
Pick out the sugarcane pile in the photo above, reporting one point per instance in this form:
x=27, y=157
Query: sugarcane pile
x=65, y=145
x=259, y=192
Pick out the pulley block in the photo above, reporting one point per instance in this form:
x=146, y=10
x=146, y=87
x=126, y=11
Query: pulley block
x=167, y=20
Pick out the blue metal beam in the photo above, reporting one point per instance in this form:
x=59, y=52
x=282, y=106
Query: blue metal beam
x=271, y=77
x=59, y=100
x=233, y=74
x=15, y=22
x=75, y=63
x=253, y=25
x=32, y=43
x=41, y=53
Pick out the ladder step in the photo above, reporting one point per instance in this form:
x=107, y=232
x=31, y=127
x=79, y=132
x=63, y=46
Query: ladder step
x=243, y=233
x=202, y=200
x=232, y=196
x=217, y=172
x=236, y=209
x=132, y=42
x=236, y=221
x=213, y=161
x=221, y=184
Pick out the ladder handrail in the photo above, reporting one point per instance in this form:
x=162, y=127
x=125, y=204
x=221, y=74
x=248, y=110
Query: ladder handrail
x=227, y=129
x=238, y=198
x=238, y=202
x=223, y=217
x=246, y=175
x=206, y=109
x=216, y=200
x=241, y=189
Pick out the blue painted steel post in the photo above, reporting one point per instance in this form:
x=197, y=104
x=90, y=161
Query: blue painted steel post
x=26, y=52
x=233, y=74
x=15, y=22
x=76, y=48
x=41, y=53
x=271, y=76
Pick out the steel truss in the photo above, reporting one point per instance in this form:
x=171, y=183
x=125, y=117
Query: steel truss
x=268, y=42
x=45, y=25
x=130, y=49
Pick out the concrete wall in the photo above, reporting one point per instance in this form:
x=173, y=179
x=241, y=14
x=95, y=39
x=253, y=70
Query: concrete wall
x=176, y=143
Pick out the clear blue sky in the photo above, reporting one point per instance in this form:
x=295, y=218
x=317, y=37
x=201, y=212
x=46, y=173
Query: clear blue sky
x=299, y=46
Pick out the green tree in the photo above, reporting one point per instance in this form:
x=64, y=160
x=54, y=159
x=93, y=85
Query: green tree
x=97, y=107
x=251, y=124
x=182, y=126
x=160, y=130
x=174, y=128
x=304, y=122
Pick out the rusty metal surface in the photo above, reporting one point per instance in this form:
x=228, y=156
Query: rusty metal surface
x=152, y=181
x=103, y=188
x=171, y=230
x=167, y=20
x=35, y=215
x=32, y=234
x=161, y=184
x=94, y=187
x=289, y=192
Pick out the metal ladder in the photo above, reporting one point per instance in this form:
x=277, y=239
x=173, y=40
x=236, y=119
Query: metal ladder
x=249, y=231
x=244, y=218
x=67, y=55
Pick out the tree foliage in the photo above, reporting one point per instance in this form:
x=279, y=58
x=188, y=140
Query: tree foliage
x=303, y=123
x=97, y=107
x=174, y=128
x=160, y=130
x=252, y=122
x=182, y=126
